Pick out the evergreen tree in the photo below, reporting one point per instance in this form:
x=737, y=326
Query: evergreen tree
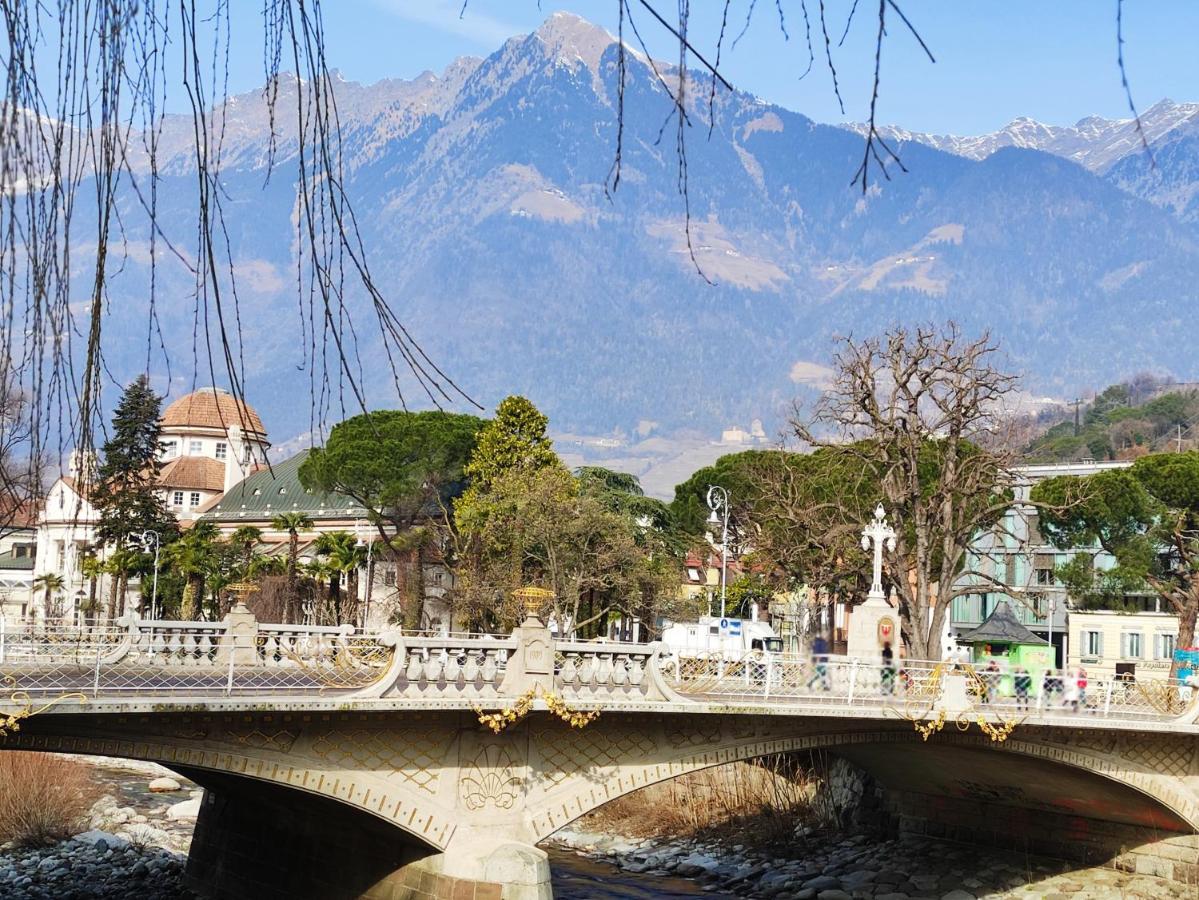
x=126, y=492
x=514, y=439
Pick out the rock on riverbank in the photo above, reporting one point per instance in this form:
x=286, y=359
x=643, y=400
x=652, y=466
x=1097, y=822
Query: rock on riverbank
x=834, y=867
x=92, y=866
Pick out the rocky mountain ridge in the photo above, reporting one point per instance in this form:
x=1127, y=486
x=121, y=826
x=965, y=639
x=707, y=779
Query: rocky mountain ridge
x=481, y=196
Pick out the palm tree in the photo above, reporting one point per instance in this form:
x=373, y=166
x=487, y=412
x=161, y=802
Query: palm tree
x=50, y=583
x=92, y=568
x=216, y=583
x=343, y=554
x=191, y=556
x=293, y=523
x=246, y=537
x=262, y=565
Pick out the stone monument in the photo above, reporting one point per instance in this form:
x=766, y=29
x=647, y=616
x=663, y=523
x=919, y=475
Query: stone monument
x=874, y=622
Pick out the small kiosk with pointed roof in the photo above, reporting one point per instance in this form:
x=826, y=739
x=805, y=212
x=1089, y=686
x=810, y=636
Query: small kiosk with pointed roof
x=1002, y=638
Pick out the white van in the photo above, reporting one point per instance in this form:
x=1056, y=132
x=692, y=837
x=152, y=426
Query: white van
x=725, y=637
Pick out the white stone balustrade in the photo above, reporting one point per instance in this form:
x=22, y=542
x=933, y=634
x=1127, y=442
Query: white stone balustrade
x=590, y=670
x=174, y=643
x=297, y=645
x=472, y=667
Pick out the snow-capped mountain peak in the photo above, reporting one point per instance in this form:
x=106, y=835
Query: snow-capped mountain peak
x=1093, y=141
x=572, y=38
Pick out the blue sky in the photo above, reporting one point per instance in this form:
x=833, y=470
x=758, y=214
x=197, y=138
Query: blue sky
x=1053, y=60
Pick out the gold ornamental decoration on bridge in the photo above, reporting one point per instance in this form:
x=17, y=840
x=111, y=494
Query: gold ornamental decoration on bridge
x=240, y=591
x=533, y=599
x=921, y=700
x=499, y=721
x=10, y=723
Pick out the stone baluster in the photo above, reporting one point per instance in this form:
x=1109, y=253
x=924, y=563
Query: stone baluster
x=636, y=667
x=434, y=662
x=452, y=667
x=620, y=671
x=570, y=670
x=490, y=666
x=415, y=668
x=471, y=669
x=154, y=646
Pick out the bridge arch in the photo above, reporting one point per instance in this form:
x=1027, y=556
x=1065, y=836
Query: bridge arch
x=1143, y=782
x=215, y=749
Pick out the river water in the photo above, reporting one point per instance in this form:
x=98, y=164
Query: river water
x=576, y=878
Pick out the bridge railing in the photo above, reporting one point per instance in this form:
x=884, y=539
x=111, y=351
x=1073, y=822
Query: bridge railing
x=464, y=666
x=589, y=670
x=36, y=641
x=915, y=687
x=187, y=658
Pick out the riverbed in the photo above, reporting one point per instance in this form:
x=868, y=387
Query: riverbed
x=574, y=876
x=140, y=840
x=578, y=878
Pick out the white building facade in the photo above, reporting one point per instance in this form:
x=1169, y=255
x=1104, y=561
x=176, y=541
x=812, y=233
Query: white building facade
x=209, y=441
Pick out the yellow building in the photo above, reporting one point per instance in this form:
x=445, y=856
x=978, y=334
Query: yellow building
x=1112, y=643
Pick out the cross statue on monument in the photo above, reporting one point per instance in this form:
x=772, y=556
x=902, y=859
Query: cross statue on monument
x=878, y=532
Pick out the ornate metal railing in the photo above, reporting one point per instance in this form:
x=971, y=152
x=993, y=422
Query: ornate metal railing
x=838, y=681
x=241, y=657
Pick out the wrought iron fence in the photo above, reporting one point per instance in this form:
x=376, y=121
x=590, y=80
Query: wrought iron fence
x=849, y=682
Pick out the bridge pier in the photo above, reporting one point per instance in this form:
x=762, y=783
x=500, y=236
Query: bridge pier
x=259, y=840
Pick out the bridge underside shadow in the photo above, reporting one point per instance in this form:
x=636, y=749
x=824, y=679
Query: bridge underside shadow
x=1006, y=801
x=257, y=839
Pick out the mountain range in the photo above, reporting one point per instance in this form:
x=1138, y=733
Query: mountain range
x=1154, y=156
x=480, y=193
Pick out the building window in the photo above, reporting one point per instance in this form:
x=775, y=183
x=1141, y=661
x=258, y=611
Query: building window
x=389, y=577
x=1163, y=646
x=177, y=498
x=194, y=499
x=1009, y=569
x=169, y=448
x=437, y=577
x=1092, y=643
x=222, y=450
x=1131, y=645
x=195, y=448
x=693, y=573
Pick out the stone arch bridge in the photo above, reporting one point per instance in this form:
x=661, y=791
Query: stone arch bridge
x=339, y=764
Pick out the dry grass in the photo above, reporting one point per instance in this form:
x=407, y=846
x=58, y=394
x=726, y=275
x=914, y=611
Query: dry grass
x=761, y=802
x=43, y=798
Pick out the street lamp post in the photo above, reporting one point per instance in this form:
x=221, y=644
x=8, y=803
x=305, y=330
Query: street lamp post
x=147, y=538
x=718, y=502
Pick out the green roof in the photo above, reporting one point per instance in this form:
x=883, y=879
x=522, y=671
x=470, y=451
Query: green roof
x=270, y=492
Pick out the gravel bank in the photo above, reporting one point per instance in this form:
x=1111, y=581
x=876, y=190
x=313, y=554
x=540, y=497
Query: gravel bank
x=828, y=867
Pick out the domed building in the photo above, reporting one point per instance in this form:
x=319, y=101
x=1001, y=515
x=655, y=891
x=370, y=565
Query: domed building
x=210, y=442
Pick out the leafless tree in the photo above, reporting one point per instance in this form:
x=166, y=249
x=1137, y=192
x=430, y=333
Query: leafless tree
x=19, y=479
x=921, y=409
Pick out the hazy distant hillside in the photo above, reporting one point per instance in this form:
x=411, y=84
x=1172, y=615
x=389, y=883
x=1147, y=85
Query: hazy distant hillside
x=480, y=194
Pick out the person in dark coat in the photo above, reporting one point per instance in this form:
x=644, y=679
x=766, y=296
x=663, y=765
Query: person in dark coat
x=1022, y=684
